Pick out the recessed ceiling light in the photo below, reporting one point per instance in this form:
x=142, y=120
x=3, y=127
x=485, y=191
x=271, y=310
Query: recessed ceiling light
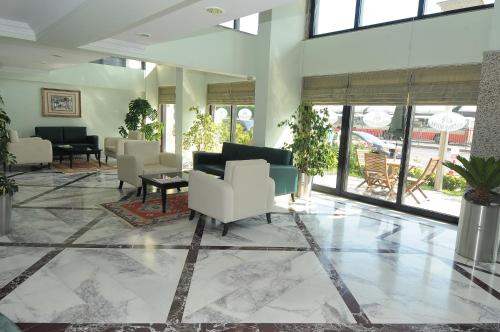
x=57, y=55
x=144, y=35
x=214, y=10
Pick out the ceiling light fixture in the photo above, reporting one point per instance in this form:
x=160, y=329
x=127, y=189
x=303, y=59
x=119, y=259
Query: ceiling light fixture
x=144, y=35
x=214, y=10
x=57, y=55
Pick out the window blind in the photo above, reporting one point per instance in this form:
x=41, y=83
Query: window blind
x=231, y=93
x=166, y=95
x=446, y=85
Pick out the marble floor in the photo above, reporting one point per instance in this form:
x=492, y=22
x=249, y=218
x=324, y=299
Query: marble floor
x=324, y=264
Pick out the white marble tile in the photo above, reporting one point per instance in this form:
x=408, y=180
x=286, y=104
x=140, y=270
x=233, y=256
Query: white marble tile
x=27, y=192
x=40, y=178
x=99, y=286
x=14, y=260
x=262, y=286
x=255, y=231
x=413, y=288
x=113, y=230
x=101, y=180
x=78, y=197
x=347, y=231
x=46, y=225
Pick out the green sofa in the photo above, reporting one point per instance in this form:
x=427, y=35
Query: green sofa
x=284, y=174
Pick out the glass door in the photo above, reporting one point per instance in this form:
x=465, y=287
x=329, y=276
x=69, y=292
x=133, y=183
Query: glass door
x=375, y=145
x=329, y=179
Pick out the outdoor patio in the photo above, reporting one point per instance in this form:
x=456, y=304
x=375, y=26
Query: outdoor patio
x=437, y=201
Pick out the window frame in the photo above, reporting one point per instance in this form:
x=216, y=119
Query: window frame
x=357, y=17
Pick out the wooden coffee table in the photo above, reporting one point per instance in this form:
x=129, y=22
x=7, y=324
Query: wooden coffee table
x=71, y=150
x=159, y=181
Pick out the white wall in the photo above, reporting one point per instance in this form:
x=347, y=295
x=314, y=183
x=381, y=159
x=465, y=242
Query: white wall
x=279, y=75
x=450, y=39
x=103, y=108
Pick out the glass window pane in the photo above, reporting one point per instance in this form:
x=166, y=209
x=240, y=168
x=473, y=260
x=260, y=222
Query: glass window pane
x=438, y=6
x=221, y=114
x=329, y=179
x=169, y=133
x=250, y=24
x=429, y=185
x=244, y=124
x=375, y=151
x=379, y=11
x=228, y=24
x=333, y=15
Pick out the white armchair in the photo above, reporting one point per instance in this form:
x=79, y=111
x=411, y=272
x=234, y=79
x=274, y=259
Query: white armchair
x=246, y=191
x=114, y=146
x=143, y=158
x=31, y=150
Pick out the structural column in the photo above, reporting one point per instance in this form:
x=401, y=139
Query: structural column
x=486, y=141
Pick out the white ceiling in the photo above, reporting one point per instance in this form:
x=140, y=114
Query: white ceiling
x=39, y=28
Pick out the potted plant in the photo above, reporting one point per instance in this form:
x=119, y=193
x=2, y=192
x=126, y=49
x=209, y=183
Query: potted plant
x=141, y=116
x=313, y=154
x=479, y=223
x=7, y=186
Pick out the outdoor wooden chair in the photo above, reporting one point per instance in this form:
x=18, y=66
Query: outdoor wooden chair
x=414, y=183
x=378, y=174
x=360, y=154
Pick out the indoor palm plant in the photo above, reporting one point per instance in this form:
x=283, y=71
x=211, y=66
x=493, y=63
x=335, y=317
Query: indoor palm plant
x=141, y=116
x=312, y=152
x=7, y=186
x=479, y=224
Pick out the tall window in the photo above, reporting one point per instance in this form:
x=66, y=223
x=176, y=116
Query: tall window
x=235, y=123
x=379, y=11
x=248, y=24
x=345, y=15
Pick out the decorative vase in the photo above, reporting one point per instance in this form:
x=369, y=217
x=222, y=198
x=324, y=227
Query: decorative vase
x=305, y=185
x=478, y=236
x=5, y=213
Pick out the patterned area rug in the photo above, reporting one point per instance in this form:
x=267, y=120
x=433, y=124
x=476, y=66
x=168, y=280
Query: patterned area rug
x=137, y=214
x=81, y=166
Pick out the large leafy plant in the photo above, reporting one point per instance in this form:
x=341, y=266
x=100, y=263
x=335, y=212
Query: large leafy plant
x=203, y=133
x=7, y=186
x=312, y=152
x=141, y=116
x=482, y=174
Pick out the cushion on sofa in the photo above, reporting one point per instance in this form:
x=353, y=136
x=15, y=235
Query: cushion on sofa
x=74, y=135
x=53, y=134
x=232, y=151
x=215, y=169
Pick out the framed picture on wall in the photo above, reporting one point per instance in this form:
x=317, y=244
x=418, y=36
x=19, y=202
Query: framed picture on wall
x=64, y=103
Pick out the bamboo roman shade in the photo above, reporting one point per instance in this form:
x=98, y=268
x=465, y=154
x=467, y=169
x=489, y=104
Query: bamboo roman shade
x=450, y=85
x=231, y=93
x=166, y=95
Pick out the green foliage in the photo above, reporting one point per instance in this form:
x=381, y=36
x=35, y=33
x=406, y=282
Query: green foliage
x=354, y=168
x=481, y=174
x=7, y=186
x=312, y=153
x=141, y=116
x=243, y=136
x=203, y=133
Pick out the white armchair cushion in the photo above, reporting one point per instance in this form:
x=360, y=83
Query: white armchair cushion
x=210, y=196
x=31, y=150
x=149, y=151
x=142, y=158
x=114, y=146
x=247, y=190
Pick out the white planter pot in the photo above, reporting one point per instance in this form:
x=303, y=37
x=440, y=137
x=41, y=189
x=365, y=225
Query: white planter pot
x=478, y=235
x=305, y=185
x=5, y=214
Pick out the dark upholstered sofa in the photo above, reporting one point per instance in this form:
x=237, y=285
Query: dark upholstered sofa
x=284, y=174
x=67, y=135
